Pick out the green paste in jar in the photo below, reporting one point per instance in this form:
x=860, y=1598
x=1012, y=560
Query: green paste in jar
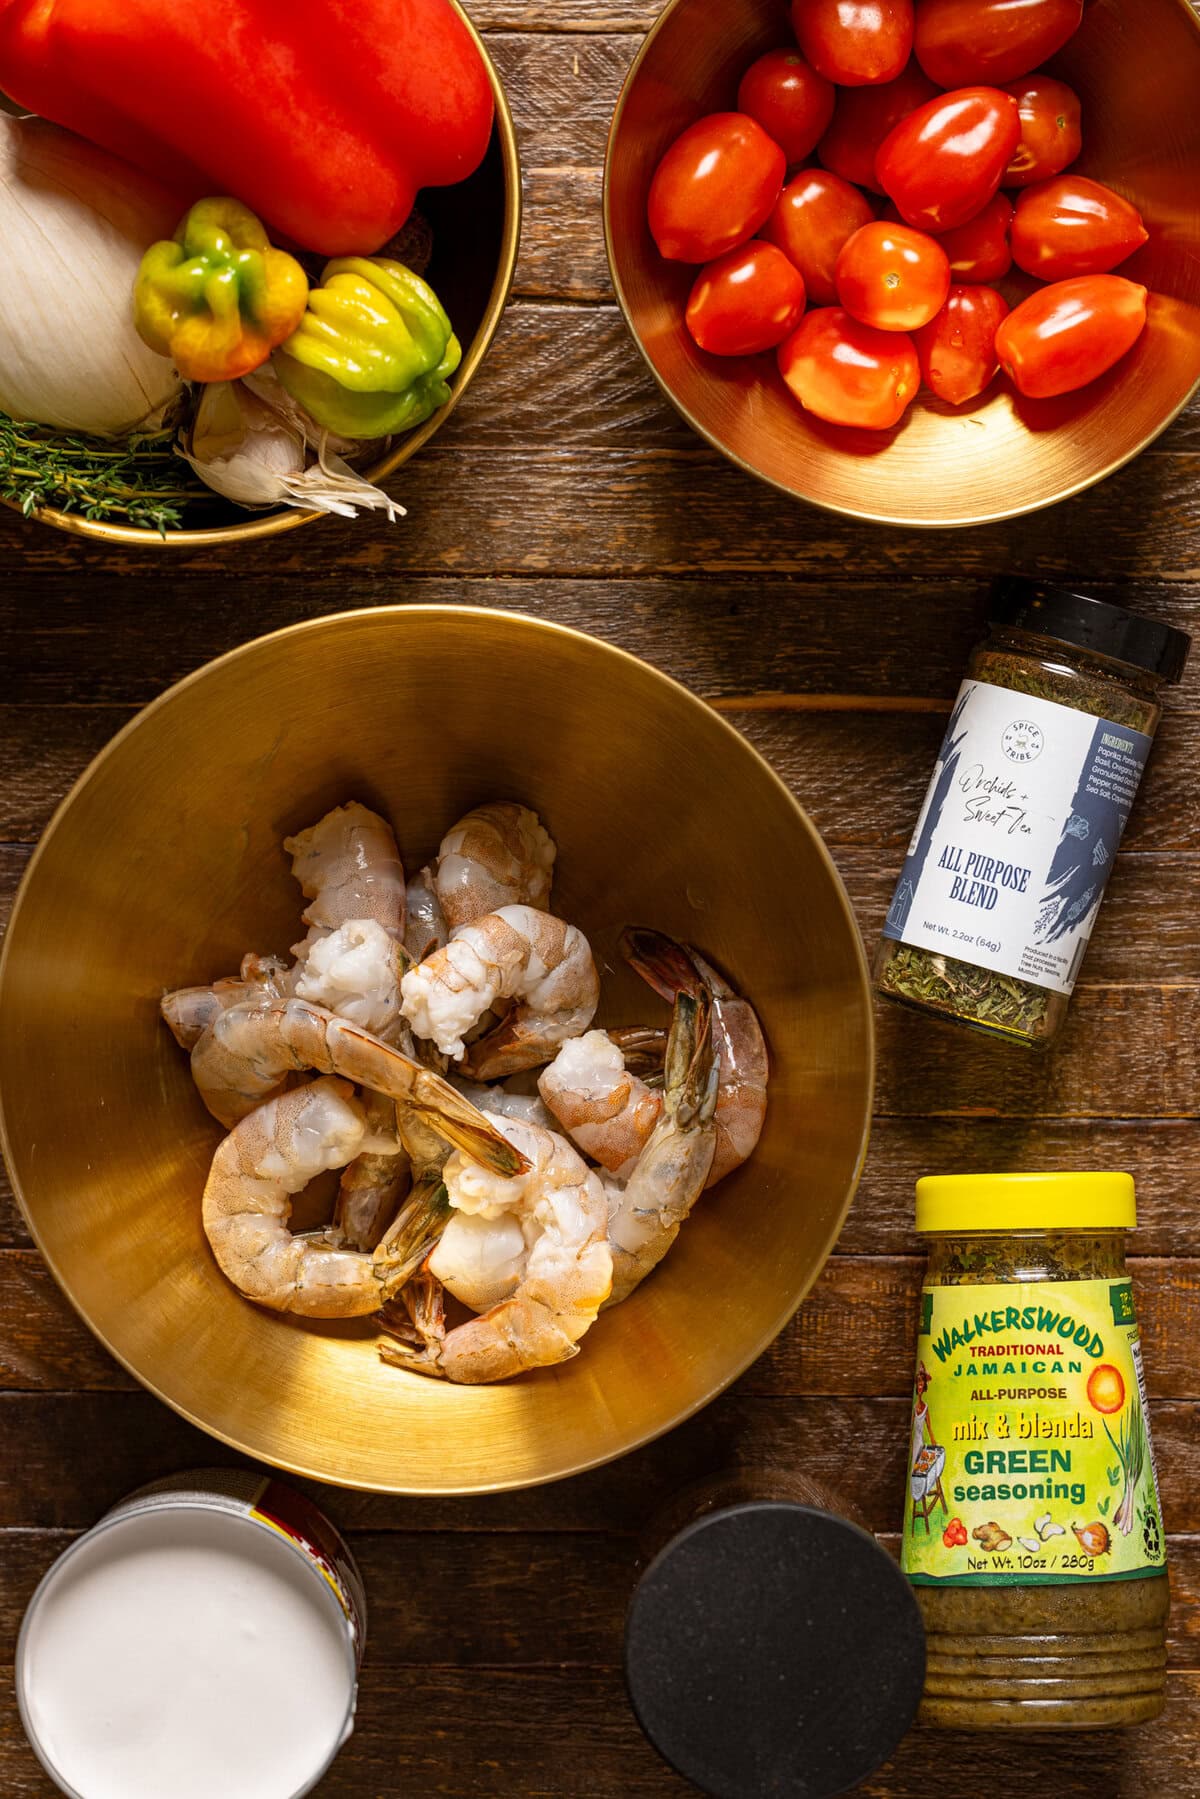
x=1033, y=1533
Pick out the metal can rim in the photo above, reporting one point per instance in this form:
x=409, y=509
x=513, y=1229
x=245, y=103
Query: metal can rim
x=126, y=1512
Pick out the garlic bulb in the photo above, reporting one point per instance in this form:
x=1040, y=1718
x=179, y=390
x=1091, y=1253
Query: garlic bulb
x=266, y=386
x=74, y=222
x=243, y=448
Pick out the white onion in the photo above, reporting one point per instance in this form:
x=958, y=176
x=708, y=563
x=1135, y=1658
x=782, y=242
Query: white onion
x=74, y=223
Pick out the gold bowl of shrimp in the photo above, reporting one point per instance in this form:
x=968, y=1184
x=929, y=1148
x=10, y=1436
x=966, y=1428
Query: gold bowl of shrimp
x=437, y=1050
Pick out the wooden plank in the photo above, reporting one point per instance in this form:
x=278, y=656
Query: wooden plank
x=520, y=1601
x=70, y=1456
x=853, y=1337
x=543, y=1734
x=855, y=1334
x=860, y=774
x=1162, y=1155
x=495, y=16
x=576, y=366
x=1149, y=924
x=1154, y=1072
x=563, y=88
x=783, y=643
x=684, y=513
x=556, y=374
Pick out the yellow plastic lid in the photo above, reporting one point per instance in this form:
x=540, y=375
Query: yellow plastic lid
x=1026, y=1202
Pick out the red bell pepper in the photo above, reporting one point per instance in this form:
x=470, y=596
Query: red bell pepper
x=323, y=116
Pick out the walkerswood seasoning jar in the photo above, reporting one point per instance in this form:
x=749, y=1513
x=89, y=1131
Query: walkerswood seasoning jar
x=1024, y=815
x=1033, y=1533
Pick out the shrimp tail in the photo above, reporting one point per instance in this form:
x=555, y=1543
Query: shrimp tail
x=417, y=1334
x=643, y=1048
x=663, y=964
x=458, y=1122
x=511, y=1047
x=367, y=1197
x=691, y=1073
x=742, y=1054
x=188, y=1012
x=413, y=1233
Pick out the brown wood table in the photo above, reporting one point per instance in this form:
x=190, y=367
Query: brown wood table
x=567, y=488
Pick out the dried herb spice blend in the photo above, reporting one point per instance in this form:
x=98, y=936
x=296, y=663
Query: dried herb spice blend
x=1033, y=1534
x=1020, y=828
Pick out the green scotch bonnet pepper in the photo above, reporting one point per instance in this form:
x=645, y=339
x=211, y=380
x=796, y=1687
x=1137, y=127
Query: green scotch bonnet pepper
x=374, y=351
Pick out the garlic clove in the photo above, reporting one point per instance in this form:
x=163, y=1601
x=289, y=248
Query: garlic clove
x=266, y=386
x=244, y=448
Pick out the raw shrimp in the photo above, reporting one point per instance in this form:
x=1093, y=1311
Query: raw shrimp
x=354, y=971
x=526, y=1106
x=349, y=868
x=607, y=1111
x=534, y=1247
x=741, y=1048
x=370, y=1189
x=646, y=1213
x=431, y=1158
x=189, y=1011
x=517, y=954
x=426, y=929
x=267, y=1159
x=498, y=855
x=246, y=1052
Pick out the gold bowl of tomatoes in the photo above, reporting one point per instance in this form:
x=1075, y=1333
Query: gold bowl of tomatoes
x=930, y=264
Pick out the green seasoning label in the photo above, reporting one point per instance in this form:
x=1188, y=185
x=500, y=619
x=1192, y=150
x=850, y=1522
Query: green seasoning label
x=1030, y=1458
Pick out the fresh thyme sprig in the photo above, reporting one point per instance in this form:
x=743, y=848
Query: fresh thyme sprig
x=138, y=479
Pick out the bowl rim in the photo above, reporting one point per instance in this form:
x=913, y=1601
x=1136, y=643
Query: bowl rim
x=863, y=515
x=537, y=627
x=289, y=518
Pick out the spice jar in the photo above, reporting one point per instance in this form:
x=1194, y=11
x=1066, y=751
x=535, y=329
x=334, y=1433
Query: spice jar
x=771, y=1645
x=1024, y=815
x=1033, y=1534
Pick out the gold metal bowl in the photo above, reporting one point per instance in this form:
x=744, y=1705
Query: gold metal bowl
x=165, y=863
x=1136, y=67
x=476, y=232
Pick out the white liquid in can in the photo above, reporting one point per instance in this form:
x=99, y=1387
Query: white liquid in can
x=188, y=1653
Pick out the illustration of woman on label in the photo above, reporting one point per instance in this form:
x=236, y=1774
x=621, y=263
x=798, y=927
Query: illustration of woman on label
x=927, y=1457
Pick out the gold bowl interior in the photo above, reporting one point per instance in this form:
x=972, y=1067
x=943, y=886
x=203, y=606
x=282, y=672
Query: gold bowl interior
x=1136, y=67
x=476, y=235
x=165, y=864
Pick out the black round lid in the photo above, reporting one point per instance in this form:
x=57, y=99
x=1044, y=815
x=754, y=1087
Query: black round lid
x=774, y=1649
x=1089, y=624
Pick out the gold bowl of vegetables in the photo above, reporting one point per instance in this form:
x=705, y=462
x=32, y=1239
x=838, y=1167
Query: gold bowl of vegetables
x=1134, y=65
x=164, y=863
x=445, y=269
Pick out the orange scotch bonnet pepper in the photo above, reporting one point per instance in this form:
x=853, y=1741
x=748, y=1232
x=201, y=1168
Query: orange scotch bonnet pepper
x=217, y=297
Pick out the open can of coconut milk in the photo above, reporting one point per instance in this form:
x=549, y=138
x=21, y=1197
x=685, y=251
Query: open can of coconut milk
x=204, y=1637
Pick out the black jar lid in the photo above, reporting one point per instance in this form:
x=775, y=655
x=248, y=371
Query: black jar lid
x=1089, y=624
x=771, y=1648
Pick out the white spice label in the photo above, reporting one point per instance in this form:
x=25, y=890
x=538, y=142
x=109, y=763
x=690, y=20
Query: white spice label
x=1018, y=835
